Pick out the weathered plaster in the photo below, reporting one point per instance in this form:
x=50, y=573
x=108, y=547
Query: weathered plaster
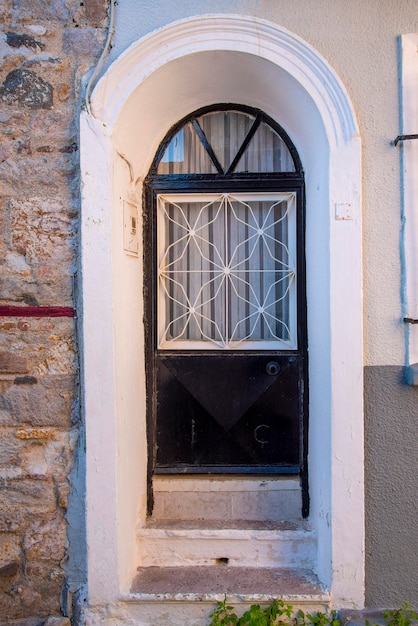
x=391, y=446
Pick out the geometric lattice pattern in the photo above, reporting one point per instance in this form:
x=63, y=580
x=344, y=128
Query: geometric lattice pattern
x=227, y=274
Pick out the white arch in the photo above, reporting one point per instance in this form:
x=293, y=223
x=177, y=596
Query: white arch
x=228, y=32
x=266, y=66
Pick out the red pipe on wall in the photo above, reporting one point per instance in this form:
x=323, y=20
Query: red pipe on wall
x=36, y=311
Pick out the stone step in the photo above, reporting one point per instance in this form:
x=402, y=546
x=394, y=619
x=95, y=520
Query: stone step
x=206, y=498
x=238, y=544
x=186, y=596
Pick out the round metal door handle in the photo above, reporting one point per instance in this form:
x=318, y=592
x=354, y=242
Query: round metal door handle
x=272, y=368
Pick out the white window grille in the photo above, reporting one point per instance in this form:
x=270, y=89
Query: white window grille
x=227, y=271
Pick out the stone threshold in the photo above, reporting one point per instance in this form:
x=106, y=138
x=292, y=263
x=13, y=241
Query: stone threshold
x=222, y=524
x=238, y=584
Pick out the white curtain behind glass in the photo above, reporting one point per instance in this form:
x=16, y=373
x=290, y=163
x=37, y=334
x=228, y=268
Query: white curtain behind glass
x=226, y=131
x=227, y=271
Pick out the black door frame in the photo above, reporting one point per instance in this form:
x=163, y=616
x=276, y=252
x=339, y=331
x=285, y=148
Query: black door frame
x=207, y=183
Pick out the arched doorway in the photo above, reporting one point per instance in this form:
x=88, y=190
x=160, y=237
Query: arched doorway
x=296, y=87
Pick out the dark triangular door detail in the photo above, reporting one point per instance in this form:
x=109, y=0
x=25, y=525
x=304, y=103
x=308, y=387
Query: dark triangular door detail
x=236, y=418
x=212, y=381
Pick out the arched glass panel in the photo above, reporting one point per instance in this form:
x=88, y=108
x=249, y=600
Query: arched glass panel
x=186, y=154
x=226, y=142
x=266, y=152
x=225, y=132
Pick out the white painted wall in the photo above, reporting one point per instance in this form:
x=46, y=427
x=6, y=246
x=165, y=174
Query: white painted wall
x=360, y=41
x=156, y=82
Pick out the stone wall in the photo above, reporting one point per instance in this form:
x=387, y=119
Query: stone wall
x=46, y=48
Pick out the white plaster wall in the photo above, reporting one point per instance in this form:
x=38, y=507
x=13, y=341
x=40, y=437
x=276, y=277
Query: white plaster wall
x=129, y=374
x=97, y=323
x=113, y=367
x=359, y=40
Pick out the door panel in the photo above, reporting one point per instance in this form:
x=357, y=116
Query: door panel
x=235, y=412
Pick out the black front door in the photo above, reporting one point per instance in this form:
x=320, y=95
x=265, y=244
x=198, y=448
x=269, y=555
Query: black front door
x=224, y=284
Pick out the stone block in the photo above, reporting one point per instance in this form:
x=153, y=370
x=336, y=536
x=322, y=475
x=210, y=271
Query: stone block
x=25, y=380
x=63, y=492
x=26, y=175
x=37, y=405
x=9, y=449
x=26, y=496
x=6, y=7
x=12, y=520
x=46, y=454
x=12, y=363
x=32, y=594
x=6, y=150
x=25, y=88
x=46, y=540
x=13, y=122
x=10, y=552
x=89, y=41
x=53, y=10
x=16, y=262
x=44, y=284
x=16, y=40
x=42, y=434
x=60, y=358
x=57, y=621
x=52, y=127
x=34, y=461
x=43, y=229
x=9, y=569
x=95, y=12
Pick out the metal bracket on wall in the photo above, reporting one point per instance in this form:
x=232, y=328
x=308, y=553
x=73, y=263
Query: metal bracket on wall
x=410, y=320
x=403, y=138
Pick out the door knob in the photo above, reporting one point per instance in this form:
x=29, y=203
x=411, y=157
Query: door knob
x=272, y=368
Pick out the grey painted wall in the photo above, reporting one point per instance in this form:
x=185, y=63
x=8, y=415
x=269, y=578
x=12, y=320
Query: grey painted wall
x=391, y=451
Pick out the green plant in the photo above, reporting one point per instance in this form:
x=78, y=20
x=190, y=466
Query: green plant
x=222, y=615
x=404, y=616
x=278, y=613
x=318, y=619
